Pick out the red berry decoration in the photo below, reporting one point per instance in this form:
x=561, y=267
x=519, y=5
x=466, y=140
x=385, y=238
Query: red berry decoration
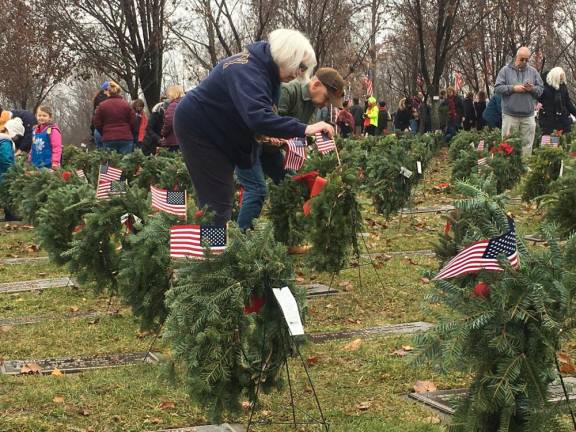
x=255, y=305
x=198, y=214
x=482, y=289
x=66, y=175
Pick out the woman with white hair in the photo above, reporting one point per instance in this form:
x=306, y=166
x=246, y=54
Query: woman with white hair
x=218, y=121
x=556, y=103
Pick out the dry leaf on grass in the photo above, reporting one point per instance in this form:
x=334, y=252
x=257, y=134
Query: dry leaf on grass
x=58, y=399
x=312, y=360
x=425, y=280
x=85, y=412
x=363, y=406
x=30, y=368
x=5, y=328
x=74, y=309
x=407, y=348
x=165, y=405
x=56, y=372
x=354, y=345
x=245, y=405
x=424, y=386
x=400, y=352
x=567, y=368
x=300, y=280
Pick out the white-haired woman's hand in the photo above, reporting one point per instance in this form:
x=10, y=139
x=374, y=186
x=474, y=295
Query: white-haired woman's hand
x=320, y=127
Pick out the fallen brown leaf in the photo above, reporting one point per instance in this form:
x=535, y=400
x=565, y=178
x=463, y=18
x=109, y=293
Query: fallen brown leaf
x=74, y=308
x=56, y=372
x=58, y=399
x=567, y=368
x=245, y=405
x=165, y=405
x=363, y=406
x=312, y=360
x=400, y=352
x=424, y=386
x=30, y=369
x=407, y=348
x=354, y=345
x=300, y=280
x=85, y=412
x=5, y=328
x=425, y=280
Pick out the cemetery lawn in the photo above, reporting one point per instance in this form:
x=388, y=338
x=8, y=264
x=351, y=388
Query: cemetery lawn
x=362, y=383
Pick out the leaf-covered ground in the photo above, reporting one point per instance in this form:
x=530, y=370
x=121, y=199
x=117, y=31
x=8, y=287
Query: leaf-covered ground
x=362, y=384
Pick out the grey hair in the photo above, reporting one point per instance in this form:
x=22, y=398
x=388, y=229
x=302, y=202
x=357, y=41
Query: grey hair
x=555, y=77
x=290, y=48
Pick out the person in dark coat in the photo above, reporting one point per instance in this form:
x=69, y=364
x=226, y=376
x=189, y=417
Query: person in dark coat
x=469, y=120
x=218, y=122
x=383, y=118
x=455, y=112
x=102, y=95
x=424, y=114
x=492, y=115
x=169, y=140
x=556, y=103
x=479, y=107
x=116, y=121
x=24, y=143
x=403, y=115
x=358, y=114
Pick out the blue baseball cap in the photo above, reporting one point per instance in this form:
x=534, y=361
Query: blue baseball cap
x=105, y=85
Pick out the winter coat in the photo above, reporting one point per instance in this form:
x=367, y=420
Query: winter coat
x=372, y=115
x=403, y=118
x=357, y=112
x=479, y=107
x=459, y=110
x=154, y=128
x=168, y=136
x=469, y=114
x=493, y=112
x=234, y=104
x=425, y=113
x=518, y=104
x=6, y=154
x=46, y=151
x=556, y=109
x=383, y=117
x=115, y=119
x=29, y=120
x=140, y=129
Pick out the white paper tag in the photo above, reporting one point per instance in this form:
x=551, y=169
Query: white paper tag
x=289, y=308
x=125, y=217
x=419, y=167
x=561, y=168
x=406, y=172
x=473, y=145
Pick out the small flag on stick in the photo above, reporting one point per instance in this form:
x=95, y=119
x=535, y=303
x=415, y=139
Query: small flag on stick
x=295, y=154
x=107, y=189
x=80, y=173
x=190, y=241
x=483, y=255
x=173, y=202
x=483, y=162
x=109, y=173
x=324, y=144
x=481, y=146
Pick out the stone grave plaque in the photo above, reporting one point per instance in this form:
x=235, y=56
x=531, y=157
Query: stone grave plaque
x=34, y=285
x=208, y=428
x=23, y=260
x=33, y=319
x=406, y=328
x=446, y=401
x=420, y=252
x=434, y=209
x=80, y=364
x=317, y=290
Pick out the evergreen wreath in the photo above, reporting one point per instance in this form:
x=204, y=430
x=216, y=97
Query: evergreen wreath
x=225, y=327
x=503, y=327
x=544, y=169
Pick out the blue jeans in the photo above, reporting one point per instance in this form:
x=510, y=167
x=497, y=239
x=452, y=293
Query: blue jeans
x=452, y=129
x=122, y=147
x=98, y=139
x=270, y=163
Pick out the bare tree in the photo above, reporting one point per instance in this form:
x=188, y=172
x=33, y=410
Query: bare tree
x=34, y=56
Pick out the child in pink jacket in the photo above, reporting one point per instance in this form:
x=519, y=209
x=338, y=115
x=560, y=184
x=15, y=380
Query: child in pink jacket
x=46, y=151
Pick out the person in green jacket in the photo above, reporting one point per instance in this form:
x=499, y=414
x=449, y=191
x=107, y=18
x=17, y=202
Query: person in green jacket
x=299, y=100
x=371, y=116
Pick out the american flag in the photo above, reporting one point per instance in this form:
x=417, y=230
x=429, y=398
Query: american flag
x=481, y=146
x=109, y=173
x=324, y=144
x=295, y=154
x=458, y=82
x=169, y=202
x=483, y=255
x=367, y=82
x=189, y=241
x=483, y=162
x=545, y=141
x=80, y=173
x=554, y=141
x=108, y=188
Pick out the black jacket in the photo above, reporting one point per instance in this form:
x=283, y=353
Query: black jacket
x=556, y=109
x=469, y=114
x=403, y=117
x=479, y=107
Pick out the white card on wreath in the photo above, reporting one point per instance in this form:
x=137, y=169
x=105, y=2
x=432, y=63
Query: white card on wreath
x=289, y=308
x=419, y=167
x=405, y=172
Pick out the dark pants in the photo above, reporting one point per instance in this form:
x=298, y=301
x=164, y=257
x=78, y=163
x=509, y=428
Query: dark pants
x=123, y=147
x=371, y=130
x=269, y=162
x=212, y=174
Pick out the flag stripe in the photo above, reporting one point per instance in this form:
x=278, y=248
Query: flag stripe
x=187, y=241
x=324, y=144
x=109, y=173
x=160, y=202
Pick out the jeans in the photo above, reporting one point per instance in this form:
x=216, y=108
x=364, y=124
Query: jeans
x=525, y=125
x=270, y=163
x=452, y=129
x=97, y=139
x=122, y=147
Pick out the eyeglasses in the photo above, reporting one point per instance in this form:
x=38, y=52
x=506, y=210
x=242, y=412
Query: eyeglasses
x=302, y=67
x=524, y=59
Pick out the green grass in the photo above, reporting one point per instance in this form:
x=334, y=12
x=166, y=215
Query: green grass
x=17, y=241
x=31, y=271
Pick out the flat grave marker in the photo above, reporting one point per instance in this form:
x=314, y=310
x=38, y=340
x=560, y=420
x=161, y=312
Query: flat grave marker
x=392, y=329
x=35, y=285
x=208, y=428
x=80, y=363
x=23, y=260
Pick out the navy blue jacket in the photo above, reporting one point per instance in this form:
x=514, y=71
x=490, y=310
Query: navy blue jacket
x=29, y=120
x=493, y=112
x=234, y=104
